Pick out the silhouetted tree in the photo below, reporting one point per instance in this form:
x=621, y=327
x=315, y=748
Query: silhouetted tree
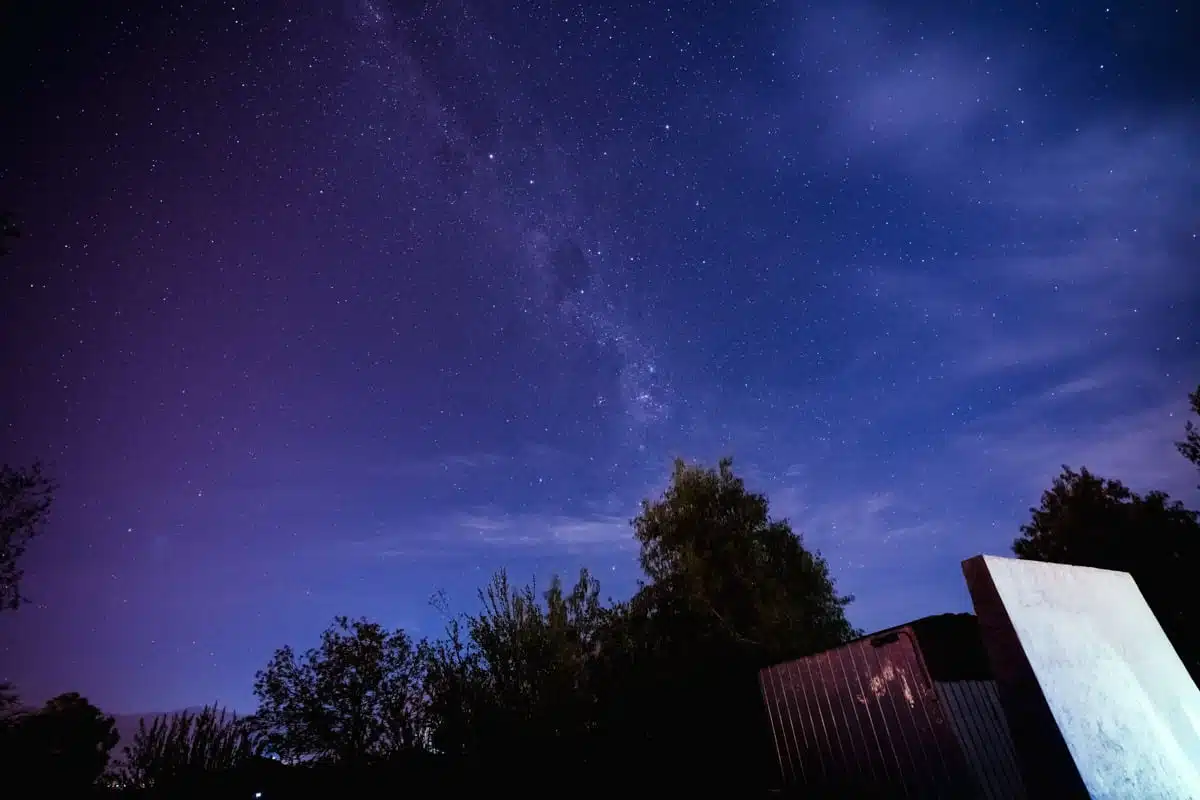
x=1189, y=448
x=181, y=747
x=8, y=230
x=454, y=688
x=712, y=553
x=729, y=590
x=514, y=678
x=63, y=747
x=355, y=699
x=25, y=498
x=11, y=715
x=10, y=701
x=25, y=494
x=1089, y=521
x=660, y=689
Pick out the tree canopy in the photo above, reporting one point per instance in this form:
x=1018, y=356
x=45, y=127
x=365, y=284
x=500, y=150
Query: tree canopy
x=174, y=749
x=668, y=674
x=712, y=552
x=25, y=493
x=1189, y=447
x=355, y=698
x=516, y=675
x=8, y=230
x=728, y=590
x=1091, y=521
x=665, y=675
x=25, y=498
x=62, y=748
x=661, y=685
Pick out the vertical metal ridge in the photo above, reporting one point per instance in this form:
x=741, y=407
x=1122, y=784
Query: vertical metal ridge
x=978, y=720
x=891, y=708
x=870, y=738
x=867, y=720
x=892, y=767
x=765, y=681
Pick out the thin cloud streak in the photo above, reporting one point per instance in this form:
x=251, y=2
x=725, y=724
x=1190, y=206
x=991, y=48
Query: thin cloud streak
x=461, y=534
x=571, y=533
x=1136, y=447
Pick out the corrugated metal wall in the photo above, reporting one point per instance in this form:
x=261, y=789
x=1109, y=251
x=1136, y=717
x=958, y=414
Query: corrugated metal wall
x=866, y=720
x=862, y=720
x=974, y=712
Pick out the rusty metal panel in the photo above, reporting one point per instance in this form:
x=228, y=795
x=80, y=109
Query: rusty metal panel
x=864, y=720
x=977, y=718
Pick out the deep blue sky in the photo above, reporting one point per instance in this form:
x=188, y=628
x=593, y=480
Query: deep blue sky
x=323, y=307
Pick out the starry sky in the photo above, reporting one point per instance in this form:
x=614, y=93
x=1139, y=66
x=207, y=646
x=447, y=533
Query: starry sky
x=323, y=307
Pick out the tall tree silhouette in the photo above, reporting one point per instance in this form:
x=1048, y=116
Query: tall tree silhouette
x=662, y=686
x=514, y=678
x=1189, y=448
x=176, y=749
x=355, y=699
x=25, y=498
x=714, y=555
x=62, y=748
x=729, y=590
x=25, y=492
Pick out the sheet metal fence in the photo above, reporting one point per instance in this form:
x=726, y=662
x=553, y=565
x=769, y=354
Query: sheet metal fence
x=868, y=720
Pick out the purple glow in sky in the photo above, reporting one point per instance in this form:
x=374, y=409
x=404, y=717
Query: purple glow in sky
x=321, y=308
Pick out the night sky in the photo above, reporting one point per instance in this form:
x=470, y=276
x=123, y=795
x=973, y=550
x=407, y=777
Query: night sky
x=323, y=307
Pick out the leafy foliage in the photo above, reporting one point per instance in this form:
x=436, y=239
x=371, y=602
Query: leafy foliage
x=63, y=747
x=11, y=716
x=661, y=686
x=516, y=675
x=175, y=748
x=1189, y=448
x=10, y=701
x=729, y=590
x=714, y=555
x=354, y=699
x=668, y=676
x=1089, y=521
x=25, y=498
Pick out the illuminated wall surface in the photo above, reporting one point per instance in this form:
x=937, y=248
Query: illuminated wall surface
x=1125, y=705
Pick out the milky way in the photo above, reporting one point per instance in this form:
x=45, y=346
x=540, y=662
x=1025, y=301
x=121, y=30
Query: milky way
x=318, y=311
x=485, y=137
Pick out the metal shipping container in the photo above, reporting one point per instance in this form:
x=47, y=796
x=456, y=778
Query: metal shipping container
x=907, y=712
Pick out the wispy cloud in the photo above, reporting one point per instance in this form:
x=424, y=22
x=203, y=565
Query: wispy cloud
x=1105, y=172
x=435, y=465
x=849, y=524
x=1107, y=377
x=1077, y=278
x=1086, y=275
x=519, y=530
x=915, y=99
x=881, y=543
x=1022, y=304
x=1087, y=383
x=1023, y=451
x=460, y=534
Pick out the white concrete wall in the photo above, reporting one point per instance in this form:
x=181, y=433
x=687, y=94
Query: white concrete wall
x=1127, y=708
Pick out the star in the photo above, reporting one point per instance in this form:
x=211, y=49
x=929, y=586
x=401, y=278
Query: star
x=389, y=291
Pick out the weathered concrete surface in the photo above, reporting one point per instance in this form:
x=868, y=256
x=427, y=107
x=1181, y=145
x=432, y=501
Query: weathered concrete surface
x=1122, y=700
